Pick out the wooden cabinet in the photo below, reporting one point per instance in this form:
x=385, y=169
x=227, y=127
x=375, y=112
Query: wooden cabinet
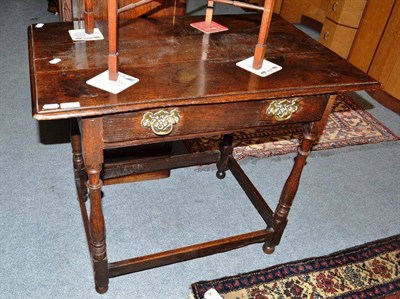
x=376, y=49
x=294, y=10
x=337, y=37
x=385, y=65
x=341, y=24
x=365, y=32
x=291, y=10
x=370, y=31
x=346, y=12
x=339, y=19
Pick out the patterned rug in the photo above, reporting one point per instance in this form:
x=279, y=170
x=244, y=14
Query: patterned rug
x=367, y=271
x=348, y=124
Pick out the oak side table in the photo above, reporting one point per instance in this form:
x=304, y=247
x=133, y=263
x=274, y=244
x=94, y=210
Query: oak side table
x=189, y=87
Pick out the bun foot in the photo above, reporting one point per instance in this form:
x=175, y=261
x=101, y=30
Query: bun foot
x=268, y=249
x=101, y=290
x=221, y=174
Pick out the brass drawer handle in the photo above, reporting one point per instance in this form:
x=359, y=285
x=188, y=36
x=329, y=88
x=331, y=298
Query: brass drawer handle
x=283, y=110
x=326, y=35
x=161, y=122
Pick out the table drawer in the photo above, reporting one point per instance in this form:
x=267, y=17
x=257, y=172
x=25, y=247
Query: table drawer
x=185, y=122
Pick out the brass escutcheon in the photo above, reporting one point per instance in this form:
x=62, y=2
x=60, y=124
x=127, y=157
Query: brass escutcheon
x=282, y=110
x=161, y=122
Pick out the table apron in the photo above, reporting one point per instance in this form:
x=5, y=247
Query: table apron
x=185, y=122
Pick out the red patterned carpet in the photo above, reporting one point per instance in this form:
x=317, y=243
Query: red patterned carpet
x=348, y=124
x=371, y=270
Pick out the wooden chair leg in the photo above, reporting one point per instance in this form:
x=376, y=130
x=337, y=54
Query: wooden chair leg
x=88, y=17
x=259, y=52
x=268, y=8
x=209, y=13
x=113, y=40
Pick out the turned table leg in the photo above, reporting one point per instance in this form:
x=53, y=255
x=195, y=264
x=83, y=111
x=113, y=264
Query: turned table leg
x=311, y=133
x=77, y=160
x=93, y=154
x=226, y=150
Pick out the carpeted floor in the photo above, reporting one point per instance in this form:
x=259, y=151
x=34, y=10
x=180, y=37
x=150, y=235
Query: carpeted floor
x=371, y=270
x=347, y=197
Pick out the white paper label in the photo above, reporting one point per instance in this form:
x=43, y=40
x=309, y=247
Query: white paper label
x=51, y=106
x=80, y=35
x=267, y=68
x=55, y=61
x=103, y=82
x=70, y=105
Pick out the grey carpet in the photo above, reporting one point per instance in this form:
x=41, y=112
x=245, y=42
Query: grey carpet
x=347, y=197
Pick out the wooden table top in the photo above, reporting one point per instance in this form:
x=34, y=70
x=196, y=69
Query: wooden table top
x=179, y=65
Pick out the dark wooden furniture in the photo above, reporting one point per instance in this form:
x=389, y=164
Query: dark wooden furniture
x=75, y=9
x=114, y=10
x=266, y=9
x=189, y=87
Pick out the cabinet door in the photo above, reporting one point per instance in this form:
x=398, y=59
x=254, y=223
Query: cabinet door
x=292, y=10
x=370, y=32
x=385, y=66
